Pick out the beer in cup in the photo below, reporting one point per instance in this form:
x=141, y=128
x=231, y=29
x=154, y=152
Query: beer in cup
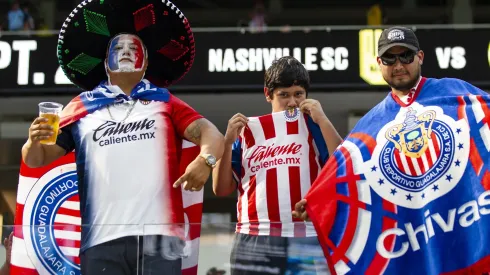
x=51, y=111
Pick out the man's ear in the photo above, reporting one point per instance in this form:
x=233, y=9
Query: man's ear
x=421, y=55
x=266, y=94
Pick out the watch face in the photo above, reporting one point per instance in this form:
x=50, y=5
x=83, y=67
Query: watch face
x=211, y=160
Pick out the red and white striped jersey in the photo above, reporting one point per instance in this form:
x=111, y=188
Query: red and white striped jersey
x=275, y=160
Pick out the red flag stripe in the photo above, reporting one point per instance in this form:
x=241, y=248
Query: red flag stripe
x=368, y=140
x=19, y=215
x=399, y=163
x=25, y=171
x=428, y=155
x=475, y=158
x=68, y=212
x=194, y=214
x=74, y=198
x=485, y=181
x=67, y=227
x=421, y=164
x=462, y=108
x=485, y=109
x=436, y=143
x=68, y=243
x=17, y=270
x=350, y=226
x=379, y=264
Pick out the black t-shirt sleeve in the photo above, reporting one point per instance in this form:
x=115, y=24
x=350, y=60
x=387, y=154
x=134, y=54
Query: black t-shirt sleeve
x=65, y=139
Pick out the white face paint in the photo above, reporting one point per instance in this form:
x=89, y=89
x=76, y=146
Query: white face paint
x=126, y=54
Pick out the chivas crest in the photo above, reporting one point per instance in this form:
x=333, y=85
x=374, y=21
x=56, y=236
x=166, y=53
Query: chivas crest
x=412, y=136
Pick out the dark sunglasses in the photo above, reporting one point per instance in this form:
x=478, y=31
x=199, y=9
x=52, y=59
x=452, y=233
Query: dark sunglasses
x=406, y=57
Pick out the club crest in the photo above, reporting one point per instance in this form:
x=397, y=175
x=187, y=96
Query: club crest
x=291, y=114
x=420, y=156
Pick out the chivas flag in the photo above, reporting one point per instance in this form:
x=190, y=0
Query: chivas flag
x=52, y=245
x=408, y=191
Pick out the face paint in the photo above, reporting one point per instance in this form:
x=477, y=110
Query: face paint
x=126, y=54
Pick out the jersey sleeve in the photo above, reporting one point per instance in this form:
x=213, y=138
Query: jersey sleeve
x=320, y=143
x=65, y=139
x=236, y=160
x=182, y=115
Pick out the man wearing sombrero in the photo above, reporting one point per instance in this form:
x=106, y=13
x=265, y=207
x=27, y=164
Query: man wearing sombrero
x=127, y=133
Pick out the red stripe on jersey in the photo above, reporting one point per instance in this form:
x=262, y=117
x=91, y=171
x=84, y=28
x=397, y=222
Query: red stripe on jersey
x=239, y=205
x=249, y=137
x=252, y=206
x=273, y=202
x=292, y=127
x=295, y=195
x=268, y=126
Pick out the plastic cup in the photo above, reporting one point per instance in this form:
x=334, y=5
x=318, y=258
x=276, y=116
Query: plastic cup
x=51, y=111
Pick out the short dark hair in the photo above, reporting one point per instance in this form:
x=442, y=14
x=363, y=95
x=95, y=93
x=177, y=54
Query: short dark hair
x=286, y=72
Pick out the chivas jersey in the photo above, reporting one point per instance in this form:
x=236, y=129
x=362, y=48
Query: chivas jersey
x=275, y=160
x=126, y=168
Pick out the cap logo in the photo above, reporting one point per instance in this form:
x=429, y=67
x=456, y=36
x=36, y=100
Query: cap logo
x=395, y=35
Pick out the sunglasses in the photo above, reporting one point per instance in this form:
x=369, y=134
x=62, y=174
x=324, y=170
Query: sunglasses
x=406, y=57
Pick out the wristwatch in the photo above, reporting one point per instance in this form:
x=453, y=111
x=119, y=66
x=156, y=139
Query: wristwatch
x=210, y=159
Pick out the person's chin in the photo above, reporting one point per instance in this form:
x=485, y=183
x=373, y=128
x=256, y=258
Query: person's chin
x=127, y=69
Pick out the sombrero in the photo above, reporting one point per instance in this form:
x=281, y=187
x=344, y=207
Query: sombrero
x=86, y=32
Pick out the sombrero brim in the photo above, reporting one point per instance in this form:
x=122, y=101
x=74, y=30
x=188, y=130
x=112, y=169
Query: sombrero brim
x=86, y=32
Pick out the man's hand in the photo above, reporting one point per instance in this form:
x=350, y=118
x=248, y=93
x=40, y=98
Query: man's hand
x=313, y=108
x=39, y=130
x=300, y=211
x=235, y=126
x=195, y=176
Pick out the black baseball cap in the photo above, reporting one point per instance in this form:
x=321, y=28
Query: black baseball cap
x=397, y=36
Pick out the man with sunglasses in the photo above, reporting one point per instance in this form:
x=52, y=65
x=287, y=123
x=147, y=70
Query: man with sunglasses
x=400, y=59
x=410, y=184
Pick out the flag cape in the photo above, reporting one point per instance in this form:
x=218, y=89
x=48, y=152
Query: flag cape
x=408, y=191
